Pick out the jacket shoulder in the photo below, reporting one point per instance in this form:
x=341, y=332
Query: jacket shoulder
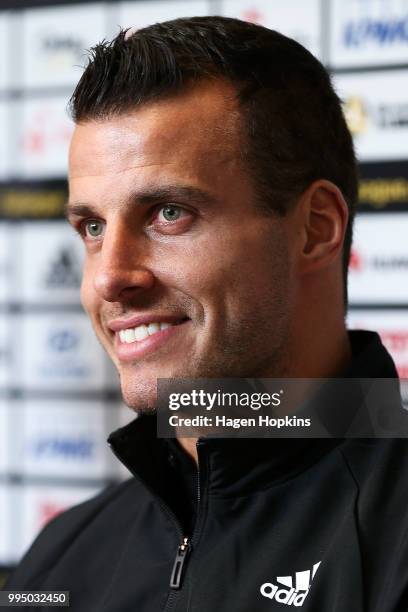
x=61, y=531
x=379, y=468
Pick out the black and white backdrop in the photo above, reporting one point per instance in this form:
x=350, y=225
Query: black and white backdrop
x=59, y=396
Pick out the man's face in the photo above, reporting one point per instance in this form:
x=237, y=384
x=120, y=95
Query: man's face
x=184, y=275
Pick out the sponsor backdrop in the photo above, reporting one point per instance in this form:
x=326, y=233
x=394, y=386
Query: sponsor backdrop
x=59, y=396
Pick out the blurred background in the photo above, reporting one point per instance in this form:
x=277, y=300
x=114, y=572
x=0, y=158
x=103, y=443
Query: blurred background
x=59, y=396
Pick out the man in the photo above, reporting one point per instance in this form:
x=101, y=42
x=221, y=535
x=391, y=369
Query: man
x=213, y=182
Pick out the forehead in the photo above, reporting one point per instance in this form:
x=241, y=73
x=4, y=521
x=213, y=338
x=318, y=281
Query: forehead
x=196, y=127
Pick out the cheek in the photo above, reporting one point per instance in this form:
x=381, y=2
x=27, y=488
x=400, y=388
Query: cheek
x=250, y=276
x=219, y=272
x=197, y=269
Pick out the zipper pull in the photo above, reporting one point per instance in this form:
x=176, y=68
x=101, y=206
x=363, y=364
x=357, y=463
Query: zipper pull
x=179, y=562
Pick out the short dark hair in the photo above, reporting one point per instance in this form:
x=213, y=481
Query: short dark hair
x=295, y=129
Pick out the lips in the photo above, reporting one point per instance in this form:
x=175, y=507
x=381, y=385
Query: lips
x=137, y=337
x=117, y=325
x=141, y=332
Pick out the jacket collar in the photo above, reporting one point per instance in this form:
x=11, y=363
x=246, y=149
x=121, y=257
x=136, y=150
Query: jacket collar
x=237, y=465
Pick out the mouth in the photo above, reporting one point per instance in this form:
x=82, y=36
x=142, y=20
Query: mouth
x=141, y=332
x=134, y=342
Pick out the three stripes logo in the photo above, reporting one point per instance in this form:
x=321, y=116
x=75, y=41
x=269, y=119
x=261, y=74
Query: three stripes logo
x=291, y=595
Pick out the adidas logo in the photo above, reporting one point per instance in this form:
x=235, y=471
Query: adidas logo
x=291, y=595
x=63, y=272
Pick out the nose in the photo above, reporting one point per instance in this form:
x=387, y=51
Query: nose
x=121, y=269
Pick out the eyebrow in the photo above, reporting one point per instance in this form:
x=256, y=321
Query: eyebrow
x=149, y=197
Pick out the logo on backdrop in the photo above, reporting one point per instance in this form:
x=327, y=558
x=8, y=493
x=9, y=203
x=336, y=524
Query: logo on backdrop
x=396, y=341
x=79, y=448
x=63, y=341
x=286, y=592
x=60, y=51
x=52, y=43
x=392, y=263
x=356, y=115
x=360, y=115
x=64, y=356
x=381, y=32
x=63, y=272
x=46, y=137
x=384, y=185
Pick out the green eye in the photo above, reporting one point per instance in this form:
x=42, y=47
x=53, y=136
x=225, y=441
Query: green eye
x=171, y=213
x=94, y=228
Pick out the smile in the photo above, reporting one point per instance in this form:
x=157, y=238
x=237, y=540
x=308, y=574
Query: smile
x=139, y=341
x=141, y=332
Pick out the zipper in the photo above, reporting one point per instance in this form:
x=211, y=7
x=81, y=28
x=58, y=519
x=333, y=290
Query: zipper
x=182, y=555
x=179, y=562
x=185, y=547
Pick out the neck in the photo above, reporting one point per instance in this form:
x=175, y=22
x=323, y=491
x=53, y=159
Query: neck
x=190, y=447
x=321, y=355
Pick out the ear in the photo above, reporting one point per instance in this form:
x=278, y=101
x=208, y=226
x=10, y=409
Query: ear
x=323, y=221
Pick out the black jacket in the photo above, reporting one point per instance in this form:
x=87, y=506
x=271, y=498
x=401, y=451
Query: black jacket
x=316, y=525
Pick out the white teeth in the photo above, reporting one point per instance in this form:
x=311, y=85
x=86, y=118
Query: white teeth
x=153, y=328
x=141, y=332
x=136, y=334
x=129, y=335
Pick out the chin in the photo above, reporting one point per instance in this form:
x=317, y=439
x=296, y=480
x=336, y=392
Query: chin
x=143, y=402
x=139, y=395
